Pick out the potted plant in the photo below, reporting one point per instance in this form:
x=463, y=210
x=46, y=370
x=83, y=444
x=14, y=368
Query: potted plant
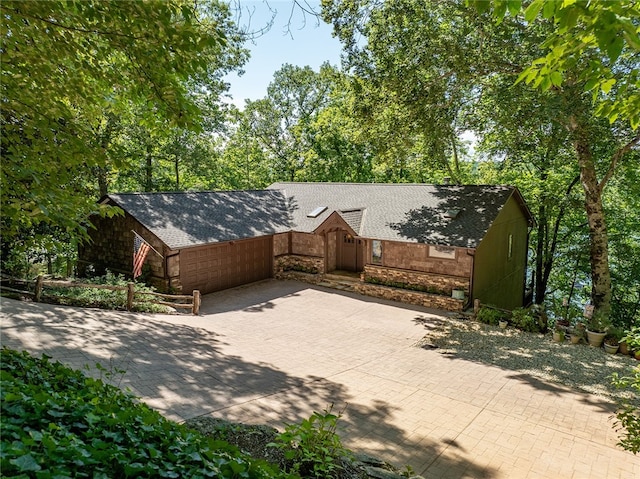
x=597, y=326
x=632, y=339
x=612, y=340
x=558, y=333
x=576, y=335
x=503, y=324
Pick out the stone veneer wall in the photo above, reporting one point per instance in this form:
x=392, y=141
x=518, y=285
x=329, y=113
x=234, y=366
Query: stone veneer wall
x=293, y=262
x=112, y=248
x=415, y=257
x=436, y=283
x=411, y=297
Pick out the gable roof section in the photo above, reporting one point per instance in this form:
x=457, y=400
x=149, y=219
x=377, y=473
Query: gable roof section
x=414, y=213
x=185, y=219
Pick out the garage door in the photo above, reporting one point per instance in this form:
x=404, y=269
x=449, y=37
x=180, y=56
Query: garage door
x=225, y=265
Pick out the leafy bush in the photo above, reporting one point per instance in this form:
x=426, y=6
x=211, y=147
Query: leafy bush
x=56, y=422
x=628, y=415
x=632, y=338
x=102, y=298
x=313, y=447
x=523, y=319
x=490, y=315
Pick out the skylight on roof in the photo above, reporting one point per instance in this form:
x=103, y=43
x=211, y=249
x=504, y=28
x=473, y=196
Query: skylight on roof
x=317, y=212
x=452, y=213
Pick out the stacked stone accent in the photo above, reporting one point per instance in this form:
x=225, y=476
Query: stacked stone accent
x=427, y=300
x=430, y=282
x=297, y=263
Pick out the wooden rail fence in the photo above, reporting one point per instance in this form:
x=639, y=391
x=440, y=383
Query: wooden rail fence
x=164, y=299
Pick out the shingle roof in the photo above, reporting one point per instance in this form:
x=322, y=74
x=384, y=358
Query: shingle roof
x=401, y=212
x=191, y=218
x=398, y=212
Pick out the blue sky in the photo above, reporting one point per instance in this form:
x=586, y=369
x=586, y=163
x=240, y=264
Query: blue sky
x=307, y=43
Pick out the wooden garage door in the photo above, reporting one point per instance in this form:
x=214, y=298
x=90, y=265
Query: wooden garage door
x=225, y=265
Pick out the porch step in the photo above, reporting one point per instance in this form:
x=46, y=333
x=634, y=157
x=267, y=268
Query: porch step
x=338, y=284
x=343, y=278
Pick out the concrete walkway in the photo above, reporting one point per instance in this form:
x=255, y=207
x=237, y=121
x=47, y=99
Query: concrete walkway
x=275, y=352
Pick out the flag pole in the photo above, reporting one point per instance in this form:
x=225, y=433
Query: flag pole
x=152, y=248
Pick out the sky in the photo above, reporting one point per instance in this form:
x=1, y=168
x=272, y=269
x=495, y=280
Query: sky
x=305, y=43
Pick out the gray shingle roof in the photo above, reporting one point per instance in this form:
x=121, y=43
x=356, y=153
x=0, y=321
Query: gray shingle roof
x=397, y=212
x=401, y=212
x=191, y=218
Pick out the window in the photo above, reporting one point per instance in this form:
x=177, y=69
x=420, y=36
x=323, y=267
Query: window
x=445, y=252
x=376, y=252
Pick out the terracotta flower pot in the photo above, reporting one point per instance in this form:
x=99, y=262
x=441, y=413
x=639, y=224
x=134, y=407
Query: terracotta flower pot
x=575, y=338
x=624, y=347
x=558, y=336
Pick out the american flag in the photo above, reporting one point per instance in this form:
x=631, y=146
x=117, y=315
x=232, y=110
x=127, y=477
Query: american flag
x=140, y=250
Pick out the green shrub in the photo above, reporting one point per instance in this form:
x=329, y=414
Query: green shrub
x=628, y=415
x=632, y=338
x=56, y=422
x=489, y=315
x=523, y=319
x=312, y=447
x=102, y=298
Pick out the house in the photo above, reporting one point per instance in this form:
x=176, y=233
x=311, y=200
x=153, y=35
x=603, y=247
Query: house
x=412, y=242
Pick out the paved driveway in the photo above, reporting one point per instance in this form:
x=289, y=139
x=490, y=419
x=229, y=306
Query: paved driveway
x=276, y=351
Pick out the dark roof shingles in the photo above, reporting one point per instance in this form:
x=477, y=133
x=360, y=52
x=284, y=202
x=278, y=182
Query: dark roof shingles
x=398, y=212
x=192, y=218
x=402, y=212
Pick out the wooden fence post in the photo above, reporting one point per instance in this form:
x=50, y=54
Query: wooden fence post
x=38, y=292
x=196, y=302
x=476, y=306
x=131, y=289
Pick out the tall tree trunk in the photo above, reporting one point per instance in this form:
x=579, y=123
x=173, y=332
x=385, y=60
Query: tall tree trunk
x=176, y=166
x=540, y=284
x=149, y=170
x=598, y=240
x=103, y=183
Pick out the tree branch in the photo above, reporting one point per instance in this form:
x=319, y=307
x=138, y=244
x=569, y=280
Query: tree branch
x=77, y=29
x=616, y=158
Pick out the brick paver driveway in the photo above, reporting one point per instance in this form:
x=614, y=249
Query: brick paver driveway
x=276, y=351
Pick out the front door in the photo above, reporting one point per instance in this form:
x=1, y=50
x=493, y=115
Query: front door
x=350, y=252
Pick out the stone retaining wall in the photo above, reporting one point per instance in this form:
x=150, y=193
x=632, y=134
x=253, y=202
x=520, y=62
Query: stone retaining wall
x=427, y=300
x=293, y=262
x=433, y=283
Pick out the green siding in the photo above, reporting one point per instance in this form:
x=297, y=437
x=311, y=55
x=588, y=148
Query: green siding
x=498, y=279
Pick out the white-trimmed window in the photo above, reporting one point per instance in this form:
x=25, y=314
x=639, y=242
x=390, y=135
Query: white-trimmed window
x=444, y=252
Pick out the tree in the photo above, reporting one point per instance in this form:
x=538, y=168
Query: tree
x=281, y=121
x=69, y=66
x=472, y=51
x=608, y=32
